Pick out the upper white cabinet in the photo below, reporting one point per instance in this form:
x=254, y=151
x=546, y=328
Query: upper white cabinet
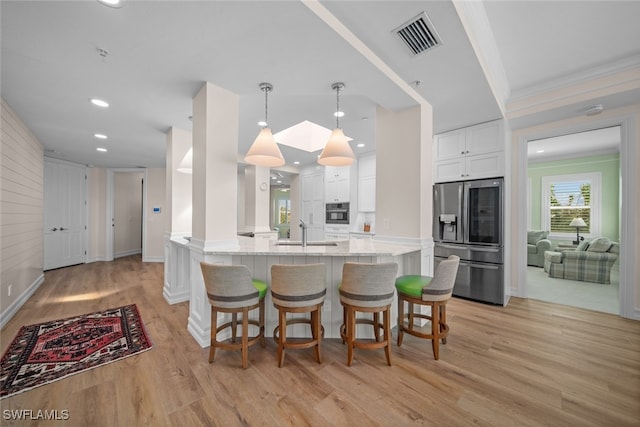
x=337, y=184
x=367, y=184
x=469, y=153
x=312, y=205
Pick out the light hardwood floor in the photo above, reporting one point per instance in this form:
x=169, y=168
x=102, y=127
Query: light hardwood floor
x=530, y=364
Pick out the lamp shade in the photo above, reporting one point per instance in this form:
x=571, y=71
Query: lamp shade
x=577, y=222
x=186, y=165
x=265, y=151
x=337, y=152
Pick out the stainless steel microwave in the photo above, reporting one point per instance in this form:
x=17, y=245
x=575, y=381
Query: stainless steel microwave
x=337, y=213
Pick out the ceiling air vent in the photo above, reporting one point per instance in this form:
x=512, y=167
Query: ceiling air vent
x=419, y=34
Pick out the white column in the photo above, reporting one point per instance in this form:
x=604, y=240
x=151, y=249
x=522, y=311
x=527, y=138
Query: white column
x=404, y=179
x=214, y=223
x=178, y=210
x=257, y=194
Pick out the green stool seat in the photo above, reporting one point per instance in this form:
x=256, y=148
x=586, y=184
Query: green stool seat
x=261, y=286
x=412, y=284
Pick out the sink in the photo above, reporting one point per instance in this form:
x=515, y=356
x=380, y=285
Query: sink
x=295, y=243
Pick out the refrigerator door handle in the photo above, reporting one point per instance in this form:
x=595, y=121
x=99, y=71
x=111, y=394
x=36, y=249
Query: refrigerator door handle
x=492, y=250
x=485, y=266
x=451, y=247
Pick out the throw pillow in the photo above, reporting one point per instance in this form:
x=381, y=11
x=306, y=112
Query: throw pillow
x=535, y=235
x=583, y=245
x=601, y=244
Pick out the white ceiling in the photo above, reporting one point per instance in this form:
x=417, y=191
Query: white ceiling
x=161, y=52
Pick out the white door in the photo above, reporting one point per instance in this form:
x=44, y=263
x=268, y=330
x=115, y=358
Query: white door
x=64, y=214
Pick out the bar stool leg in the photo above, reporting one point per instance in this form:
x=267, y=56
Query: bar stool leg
x=400, y=320
x=214, y=333
x=443, y=320
x=261, y=315
x=234, y=325
x=387, y=334
x=316, y=321
x=282, y=336
x=435, y=330
x=351, y=332
x=245, y=337
x=376, y=326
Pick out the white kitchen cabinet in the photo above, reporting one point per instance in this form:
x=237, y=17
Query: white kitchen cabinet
x=335, y=233
x=469, y=153
x=337, y=184
x=367, y=184
x=312, y=212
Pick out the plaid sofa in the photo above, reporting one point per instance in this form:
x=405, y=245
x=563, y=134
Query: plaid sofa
x=582, y=263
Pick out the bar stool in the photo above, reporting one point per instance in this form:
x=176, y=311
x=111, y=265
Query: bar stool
x=367, y=288
x=430, y=291
x=298, y=288
x=231, y=289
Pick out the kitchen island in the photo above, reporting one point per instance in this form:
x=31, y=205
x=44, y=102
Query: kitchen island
x=260, y=254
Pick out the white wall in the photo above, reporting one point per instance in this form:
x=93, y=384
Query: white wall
x=156, y=223
x=21, y=213
x=96, y=206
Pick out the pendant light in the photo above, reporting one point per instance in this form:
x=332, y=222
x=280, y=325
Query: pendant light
x=265, y=151
x=337, y=152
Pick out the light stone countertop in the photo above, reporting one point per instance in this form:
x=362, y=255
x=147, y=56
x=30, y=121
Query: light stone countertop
x=346, y=248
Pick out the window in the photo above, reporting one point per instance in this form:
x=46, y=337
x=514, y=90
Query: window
x=565, y=197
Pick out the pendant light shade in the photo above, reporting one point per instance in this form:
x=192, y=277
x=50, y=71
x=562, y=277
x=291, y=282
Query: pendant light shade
x=265, y=150
x=337, y=152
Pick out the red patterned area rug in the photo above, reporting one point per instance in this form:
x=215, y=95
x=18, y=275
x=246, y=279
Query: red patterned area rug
x=47, y=352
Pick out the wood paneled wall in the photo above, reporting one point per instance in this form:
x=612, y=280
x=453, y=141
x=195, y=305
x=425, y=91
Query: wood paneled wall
x=21, y=207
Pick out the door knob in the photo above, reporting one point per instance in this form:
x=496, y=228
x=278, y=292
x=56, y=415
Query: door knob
x=54, y=229
x=62, y=228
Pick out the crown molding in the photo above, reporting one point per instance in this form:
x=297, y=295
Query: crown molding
x=583, y=76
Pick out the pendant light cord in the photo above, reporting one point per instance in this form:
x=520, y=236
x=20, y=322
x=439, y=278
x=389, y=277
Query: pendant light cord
x=338, y=107
x=266, y=95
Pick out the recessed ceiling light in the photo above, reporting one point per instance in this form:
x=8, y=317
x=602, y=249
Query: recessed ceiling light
x=360, y=145
x=540, y=151
x=296, y=162
x=99, y=102
x=339, y=114
x=261, y=123
x=112, y=3
x=102, y=150
x=100, y=136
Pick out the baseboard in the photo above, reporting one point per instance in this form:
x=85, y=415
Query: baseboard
x=203, y=338
x=6, y=315
x=127, y=253
x=95, y=259
x=153, y=259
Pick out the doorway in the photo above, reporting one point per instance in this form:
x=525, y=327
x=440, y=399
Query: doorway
x=627, y=196
x=281, y=211
x=570, y=176
x=125, y=210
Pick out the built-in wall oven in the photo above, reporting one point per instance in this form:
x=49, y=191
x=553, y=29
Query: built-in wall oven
x=337, y=213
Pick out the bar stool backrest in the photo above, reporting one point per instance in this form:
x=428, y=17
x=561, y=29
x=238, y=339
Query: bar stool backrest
x=441, y=286
x=298, y=285
x=368, y=285
x=229, y=286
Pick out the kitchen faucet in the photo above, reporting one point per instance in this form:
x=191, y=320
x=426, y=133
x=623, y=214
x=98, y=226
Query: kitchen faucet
x=304, y=233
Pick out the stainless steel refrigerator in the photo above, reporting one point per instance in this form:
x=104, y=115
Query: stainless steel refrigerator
x=468, y=222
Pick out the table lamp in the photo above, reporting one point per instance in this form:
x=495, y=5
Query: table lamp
x=577, y=223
